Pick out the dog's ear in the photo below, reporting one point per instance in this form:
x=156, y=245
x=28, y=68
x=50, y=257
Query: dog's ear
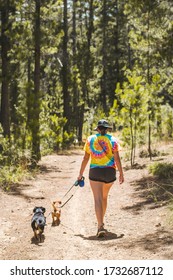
x=34, y=209
x=43, y=209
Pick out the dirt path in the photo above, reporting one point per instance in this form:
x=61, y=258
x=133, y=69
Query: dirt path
x=137, y=227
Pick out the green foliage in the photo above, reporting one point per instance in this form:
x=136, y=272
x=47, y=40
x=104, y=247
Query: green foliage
x=11, y=154
x=13, y=163
x=68, y=139
x=162, y=170
x=10, y=175
x=119, y=66
x=133, y=98
x=140, y=107
x=51, y=127
x=167, y=121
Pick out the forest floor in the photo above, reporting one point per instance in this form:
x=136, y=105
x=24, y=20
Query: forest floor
x=138, y=219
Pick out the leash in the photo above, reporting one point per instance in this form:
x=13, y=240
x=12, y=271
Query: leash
x=78, y=183
x=67, y=199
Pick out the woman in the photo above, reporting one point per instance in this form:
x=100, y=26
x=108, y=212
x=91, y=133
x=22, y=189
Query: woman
x=103, y=150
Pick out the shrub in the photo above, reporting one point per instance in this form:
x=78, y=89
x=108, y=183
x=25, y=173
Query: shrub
x=145, y=153
x=162, y=170
x=14, y=163
x=10, y=175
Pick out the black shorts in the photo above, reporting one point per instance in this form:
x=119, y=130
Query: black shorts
x=106, y=175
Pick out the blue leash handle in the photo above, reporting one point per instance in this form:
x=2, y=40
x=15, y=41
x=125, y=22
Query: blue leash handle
x=77, y=183
x=80, y=182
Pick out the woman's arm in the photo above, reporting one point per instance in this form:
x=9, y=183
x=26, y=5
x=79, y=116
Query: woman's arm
x=119, y=166
x=83, y=164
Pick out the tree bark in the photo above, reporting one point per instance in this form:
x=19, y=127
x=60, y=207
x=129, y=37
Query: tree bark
x=149, y=82
x=36, y=97
x=66, y=97
x=5, y=104
x=104, y=51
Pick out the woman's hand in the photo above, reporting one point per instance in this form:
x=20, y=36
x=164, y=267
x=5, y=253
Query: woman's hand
x=79, y=177
x=121, y=178
x=119, y=166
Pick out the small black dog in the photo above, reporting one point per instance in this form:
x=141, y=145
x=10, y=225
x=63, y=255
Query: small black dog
x=38, y=222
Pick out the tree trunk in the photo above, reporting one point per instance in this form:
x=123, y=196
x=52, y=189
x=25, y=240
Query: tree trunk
x=5, y=104
x=104, y=52
x=74, y=80
x=149, y=81
x=36, y=98
x=66, y=97
x=132, y=137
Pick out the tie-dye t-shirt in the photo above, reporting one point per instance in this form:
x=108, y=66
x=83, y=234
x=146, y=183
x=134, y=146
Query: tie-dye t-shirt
x=101, y=148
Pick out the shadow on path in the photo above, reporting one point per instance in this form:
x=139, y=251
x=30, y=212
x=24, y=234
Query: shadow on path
x=109, y=236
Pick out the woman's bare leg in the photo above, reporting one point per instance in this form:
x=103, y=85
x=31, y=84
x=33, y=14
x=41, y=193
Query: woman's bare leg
x=106, y=189
x=100, y=191
x=98, y=200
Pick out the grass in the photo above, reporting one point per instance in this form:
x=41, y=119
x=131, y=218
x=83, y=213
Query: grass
x=10, y=175
x=162, y=170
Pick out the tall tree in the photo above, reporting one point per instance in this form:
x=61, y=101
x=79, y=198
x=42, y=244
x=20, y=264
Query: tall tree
x=35, y=127
x=5, y=47
x=65, y=76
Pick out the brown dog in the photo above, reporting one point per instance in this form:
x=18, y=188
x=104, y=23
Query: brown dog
x=56, y=213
